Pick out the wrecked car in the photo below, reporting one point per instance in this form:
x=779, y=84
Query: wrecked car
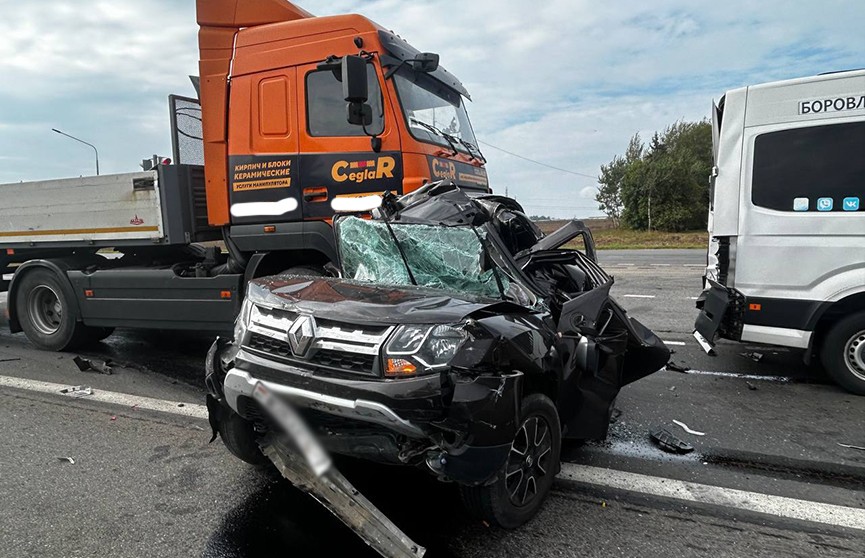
x=456, y=338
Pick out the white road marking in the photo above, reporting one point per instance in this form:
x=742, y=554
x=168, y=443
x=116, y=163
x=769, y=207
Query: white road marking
x=660, y=265
x=193, y=410
x=639, y=296
x=779, y=379
x=679, y=343
x=779, y=506
x=693, y=265
x=693, y=297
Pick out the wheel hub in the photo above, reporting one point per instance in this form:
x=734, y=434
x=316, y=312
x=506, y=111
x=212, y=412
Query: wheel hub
x=854, y=354
x=45, y=309
x=528, y=460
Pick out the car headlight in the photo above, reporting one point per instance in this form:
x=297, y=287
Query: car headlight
x=419, y=349
x=242, y=322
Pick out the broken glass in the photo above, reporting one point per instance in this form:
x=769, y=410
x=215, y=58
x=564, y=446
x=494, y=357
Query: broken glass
x=449, y=258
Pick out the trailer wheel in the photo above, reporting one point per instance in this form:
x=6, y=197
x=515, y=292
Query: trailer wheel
x=527, y=477
x=48, y=318
x=843, y=353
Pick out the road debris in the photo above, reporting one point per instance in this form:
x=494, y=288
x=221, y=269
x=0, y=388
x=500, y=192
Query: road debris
x=848, y=446
x=301, y=459
x=688, y=430
x=673, y=367
x=87, y=365
x=67, y=459
x=78, y=391
x=756, y=357
x=668, y=442
x=10, y=359
x=751, y=386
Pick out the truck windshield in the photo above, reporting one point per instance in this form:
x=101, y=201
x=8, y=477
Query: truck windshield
x=448, y=258
x=434, y=113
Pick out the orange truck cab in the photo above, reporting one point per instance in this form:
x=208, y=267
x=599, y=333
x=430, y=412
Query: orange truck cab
x=295, y=115
x=299, y=111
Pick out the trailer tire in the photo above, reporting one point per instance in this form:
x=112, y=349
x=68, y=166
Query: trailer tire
x=495, y=502
x=843, y=353
x=47, y=316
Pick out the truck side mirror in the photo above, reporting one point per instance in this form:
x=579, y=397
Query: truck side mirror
x=359, y=114
x=354, y=87
x=425, y=62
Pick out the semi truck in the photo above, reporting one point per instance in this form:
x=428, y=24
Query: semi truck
x=295, y=115
x=786, y=260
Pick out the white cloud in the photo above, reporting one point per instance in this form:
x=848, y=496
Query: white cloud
x=566, y=82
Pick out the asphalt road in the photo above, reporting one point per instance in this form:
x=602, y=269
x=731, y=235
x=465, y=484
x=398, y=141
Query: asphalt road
x=767, y=478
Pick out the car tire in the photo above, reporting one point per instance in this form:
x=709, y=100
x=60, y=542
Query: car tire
x=239, y=436
x=524, y=482
x=47, y=316
x=843, y=353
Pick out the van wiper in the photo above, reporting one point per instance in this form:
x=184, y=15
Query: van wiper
x=400, y=250
x=448, y=138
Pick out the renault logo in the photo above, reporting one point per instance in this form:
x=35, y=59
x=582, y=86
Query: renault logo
x=301, y=335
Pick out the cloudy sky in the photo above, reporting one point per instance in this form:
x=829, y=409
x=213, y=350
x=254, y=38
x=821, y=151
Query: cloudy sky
x=564, y=82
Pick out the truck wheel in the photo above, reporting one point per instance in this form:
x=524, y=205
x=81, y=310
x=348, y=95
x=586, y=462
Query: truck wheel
x=307, y=270
x=527, y=477
x=238, y=435
x=48, y=318
x=843, y=353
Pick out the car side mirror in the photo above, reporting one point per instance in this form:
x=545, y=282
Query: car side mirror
x=425, y=62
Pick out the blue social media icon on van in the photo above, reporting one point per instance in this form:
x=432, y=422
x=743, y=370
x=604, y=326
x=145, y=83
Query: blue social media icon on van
x=824, y=204
x=851, y=204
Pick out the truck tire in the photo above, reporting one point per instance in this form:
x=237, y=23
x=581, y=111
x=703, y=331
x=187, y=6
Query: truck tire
x=843, y=353
x=305, y=270
x=527, y=477
x=49, y=319
x=239, y=437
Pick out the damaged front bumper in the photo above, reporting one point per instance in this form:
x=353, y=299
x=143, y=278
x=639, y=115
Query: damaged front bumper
x=722, y=311
x=460, y=426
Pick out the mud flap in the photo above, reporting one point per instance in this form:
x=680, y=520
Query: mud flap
x=715, y=305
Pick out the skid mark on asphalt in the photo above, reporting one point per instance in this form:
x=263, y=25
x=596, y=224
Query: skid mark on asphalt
x=779, y=506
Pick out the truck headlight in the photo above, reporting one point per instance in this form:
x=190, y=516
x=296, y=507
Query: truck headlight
x=420, y=349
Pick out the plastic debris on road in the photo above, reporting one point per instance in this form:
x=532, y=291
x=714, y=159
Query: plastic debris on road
x=756, y=357
x=78, y=391
x=848, y=446
x=673, y=367
x=687, y=429
x=67, y=459
x=668, y=442
x=87, y=365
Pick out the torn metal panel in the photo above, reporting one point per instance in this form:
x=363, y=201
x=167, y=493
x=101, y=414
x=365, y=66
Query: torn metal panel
x=344, y=501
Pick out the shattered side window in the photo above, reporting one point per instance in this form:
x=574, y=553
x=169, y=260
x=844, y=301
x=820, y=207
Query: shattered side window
x=449, y=258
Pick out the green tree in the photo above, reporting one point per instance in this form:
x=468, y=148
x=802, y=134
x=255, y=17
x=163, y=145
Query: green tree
x=609, y=196
x=668, y=182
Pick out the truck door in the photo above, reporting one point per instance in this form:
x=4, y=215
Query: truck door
x=337, y=158
x=263, y=148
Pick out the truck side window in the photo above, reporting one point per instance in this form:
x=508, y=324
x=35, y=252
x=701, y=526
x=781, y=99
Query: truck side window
x=814, y=163
x=326, y=109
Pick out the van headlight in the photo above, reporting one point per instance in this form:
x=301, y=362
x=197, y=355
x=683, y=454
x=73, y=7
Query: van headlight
x=418, y=349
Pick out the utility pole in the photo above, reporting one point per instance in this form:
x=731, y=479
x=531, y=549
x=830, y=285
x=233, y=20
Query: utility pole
x=81, y=141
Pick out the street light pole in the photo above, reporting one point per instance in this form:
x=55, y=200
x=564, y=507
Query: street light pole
x=81, y=141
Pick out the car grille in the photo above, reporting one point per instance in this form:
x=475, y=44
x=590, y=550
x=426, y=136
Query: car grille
x=337, y=346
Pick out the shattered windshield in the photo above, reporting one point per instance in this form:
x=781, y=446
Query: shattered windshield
x=449, y=258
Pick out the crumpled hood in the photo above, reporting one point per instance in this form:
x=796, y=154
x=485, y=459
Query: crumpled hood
x=357, y=302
